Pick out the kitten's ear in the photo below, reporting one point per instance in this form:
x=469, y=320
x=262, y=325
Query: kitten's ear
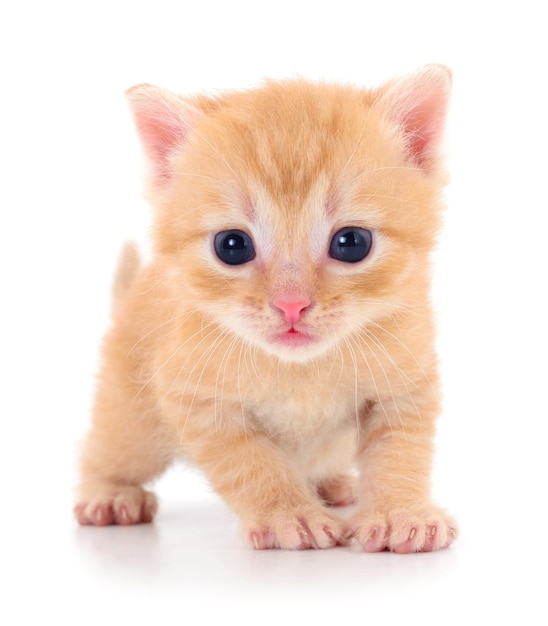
x=164, y=121
x=418, y=104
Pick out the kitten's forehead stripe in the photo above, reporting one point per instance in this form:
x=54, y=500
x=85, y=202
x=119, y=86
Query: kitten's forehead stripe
x=290, y=140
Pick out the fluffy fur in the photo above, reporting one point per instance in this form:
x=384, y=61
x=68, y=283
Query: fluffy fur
x=295, y=381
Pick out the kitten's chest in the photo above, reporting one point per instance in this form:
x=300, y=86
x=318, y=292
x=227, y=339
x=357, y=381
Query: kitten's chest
x=301, y=407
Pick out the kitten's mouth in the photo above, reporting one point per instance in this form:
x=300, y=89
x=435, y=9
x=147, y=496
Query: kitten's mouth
x=293, y=338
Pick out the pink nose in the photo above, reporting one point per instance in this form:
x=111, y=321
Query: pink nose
x=292, y=308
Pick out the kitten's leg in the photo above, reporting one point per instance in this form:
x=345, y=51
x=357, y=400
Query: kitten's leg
x=396, y=511
x=126, y=448
x=277, y=507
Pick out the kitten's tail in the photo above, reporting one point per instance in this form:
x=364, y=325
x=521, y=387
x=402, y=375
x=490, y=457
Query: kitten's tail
x=128, y=264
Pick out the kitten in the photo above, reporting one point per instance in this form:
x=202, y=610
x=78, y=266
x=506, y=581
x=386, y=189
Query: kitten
x=281, y=338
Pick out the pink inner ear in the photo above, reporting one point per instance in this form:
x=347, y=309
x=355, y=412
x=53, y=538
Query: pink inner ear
x=163, y=122
x=418, y=103
x=159, y=140
x=424, y=126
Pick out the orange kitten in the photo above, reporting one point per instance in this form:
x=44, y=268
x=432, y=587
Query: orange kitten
x=281, y=338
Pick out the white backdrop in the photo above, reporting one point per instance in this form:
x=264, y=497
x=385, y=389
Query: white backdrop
x=70, y=192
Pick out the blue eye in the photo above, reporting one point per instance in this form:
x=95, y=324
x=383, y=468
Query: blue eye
x=234, y=247
x=351, y=244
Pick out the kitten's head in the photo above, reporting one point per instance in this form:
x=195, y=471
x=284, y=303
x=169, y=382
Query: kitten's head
x=294, y=215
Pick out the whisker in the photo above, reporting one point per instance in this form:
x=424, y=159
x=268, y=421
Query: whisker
x=172, y=319
x=208, y=178
x=167, y=360
x=217, y=152
x=346, y=166
x=399, y=199
x=403, y=376
x=373, y=380
x=209, y=352
x=406, y=348
x=354, y=362
x=387, y=379
x=222, y=367
x=242, y=350
x=159, y=279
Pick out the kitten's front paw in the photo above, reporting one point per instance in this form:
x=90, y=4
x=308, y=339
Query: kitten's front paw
x=422, y=529
x=310, y=529
x=124, y=505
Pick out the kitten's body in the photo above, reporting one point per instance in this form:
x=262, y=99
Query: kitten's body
x=281, y=374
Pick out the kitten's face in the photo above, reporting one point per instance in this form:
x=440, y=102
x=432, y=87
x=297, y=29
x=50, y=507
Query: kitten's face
x=295, y=219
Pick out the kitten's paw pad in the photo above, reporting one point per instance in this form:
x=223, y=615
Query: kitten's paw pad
x=404, y=531
x=124, y=506
x=310, y=530
x=338, y=491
